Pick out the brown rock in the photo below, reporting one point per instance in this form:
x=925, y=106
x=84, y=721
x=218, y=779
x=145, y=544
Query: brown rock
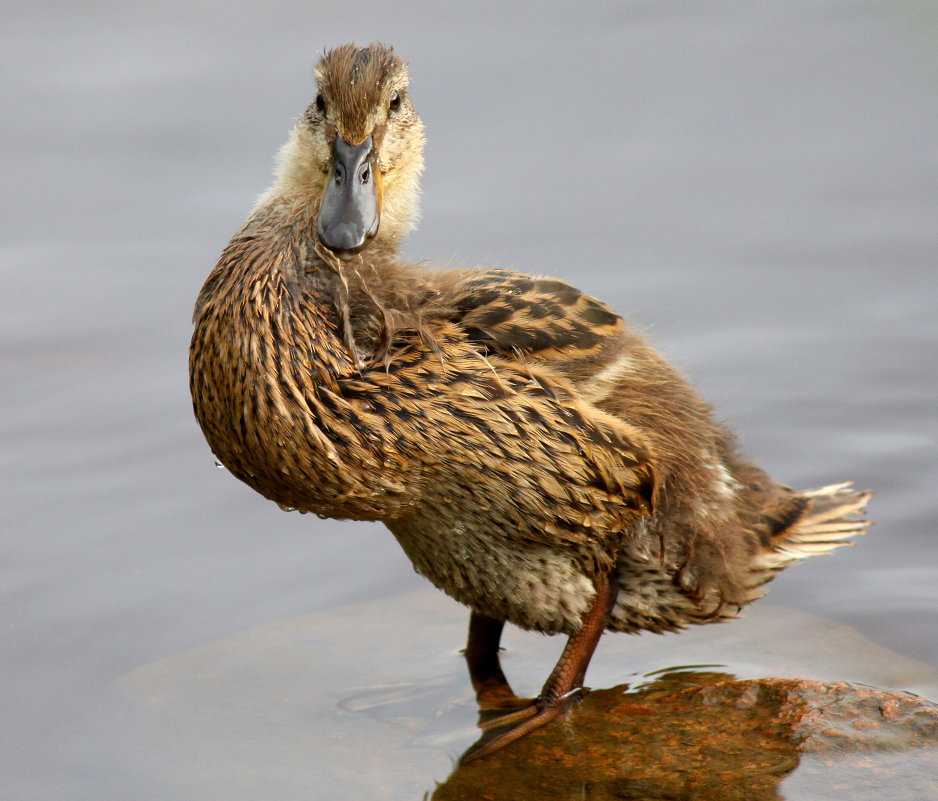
x=693, y=736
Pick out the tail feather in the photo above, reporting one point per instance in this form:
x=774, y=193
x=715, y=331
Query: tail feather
x=832, y=517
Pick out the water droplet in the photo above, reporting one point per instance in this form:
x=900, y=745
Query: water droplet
x=286, y=508
x=219, y=465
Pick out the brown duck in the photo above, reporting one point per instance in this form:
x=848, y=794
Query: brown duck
x=534, y=457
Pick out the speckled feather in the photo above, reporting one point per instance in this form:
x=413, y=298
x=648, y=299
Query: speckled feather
x=515, y=436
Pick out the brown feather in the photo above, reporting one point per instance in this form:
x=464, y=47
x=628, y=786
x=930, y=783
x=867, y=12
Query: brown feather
x=512, y=432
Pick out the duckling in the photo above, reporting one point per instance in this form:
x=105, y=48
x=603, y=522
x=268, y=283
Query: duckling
x=534, y=457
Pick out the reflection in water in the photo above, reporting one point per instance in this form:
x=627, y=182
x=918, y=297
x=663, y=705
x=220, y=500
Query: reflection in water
x=705, y=736
x=290, y=711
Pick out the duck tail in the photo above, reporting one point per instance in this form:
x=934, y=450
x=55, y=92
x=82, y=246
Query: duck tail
x=832, y=516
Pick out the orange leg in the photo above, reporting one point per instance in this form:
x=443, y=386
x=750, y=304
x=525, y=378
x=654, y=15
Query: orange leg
x=565, y=680
x=485, y=670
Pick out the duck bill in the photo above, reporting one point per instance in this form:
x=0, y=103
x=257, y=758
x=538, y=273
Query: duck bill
x=351, y=204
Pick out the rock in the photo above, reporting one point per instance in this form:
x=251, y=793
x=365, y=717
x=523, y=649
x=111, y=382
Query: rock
x=696, y=736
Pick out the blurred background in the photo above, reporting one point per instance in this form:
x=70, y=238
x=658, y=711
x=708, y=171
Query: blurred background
x=755, y=184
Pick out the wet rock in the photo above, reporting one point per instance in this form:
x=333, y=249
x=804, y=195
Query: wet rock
x=694, y=736
x=839, y=716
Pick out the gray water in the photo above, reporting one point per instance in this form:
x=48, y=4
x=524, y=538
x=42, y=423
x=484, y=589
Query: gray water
x=754, y=183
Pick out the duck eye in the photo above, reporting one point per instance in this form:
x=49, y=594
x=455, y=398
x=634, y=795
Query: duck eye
x=320, y=103
x=395, y=102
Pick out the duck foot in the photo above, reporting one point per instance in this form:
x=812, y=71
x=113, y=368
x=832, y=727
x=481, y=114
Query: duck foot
x=564, y=683
x=541, y=712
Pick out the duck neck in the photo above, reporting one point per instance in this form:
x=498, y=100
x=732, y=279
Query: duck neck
x=273, y=287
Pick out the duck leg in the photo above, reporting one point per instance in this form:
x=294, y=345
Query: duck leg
x=492, y=689
x=565, y=681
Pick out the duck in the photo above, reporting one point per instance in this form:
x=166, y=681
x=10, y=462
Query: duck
x=536, y=459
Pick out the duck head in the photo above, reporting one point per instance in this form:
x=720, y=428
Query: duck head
x=357, y=153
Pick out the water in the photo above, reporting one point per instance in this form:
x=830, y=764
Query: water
x=757, y=185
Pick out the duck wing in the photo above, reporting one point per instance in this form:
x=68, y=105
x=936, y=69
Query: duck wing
x=517, y=435
x=524, y=317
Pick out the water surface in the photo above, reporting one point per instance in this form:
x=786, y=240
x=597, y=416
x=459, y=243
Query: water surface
x=757, y=186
